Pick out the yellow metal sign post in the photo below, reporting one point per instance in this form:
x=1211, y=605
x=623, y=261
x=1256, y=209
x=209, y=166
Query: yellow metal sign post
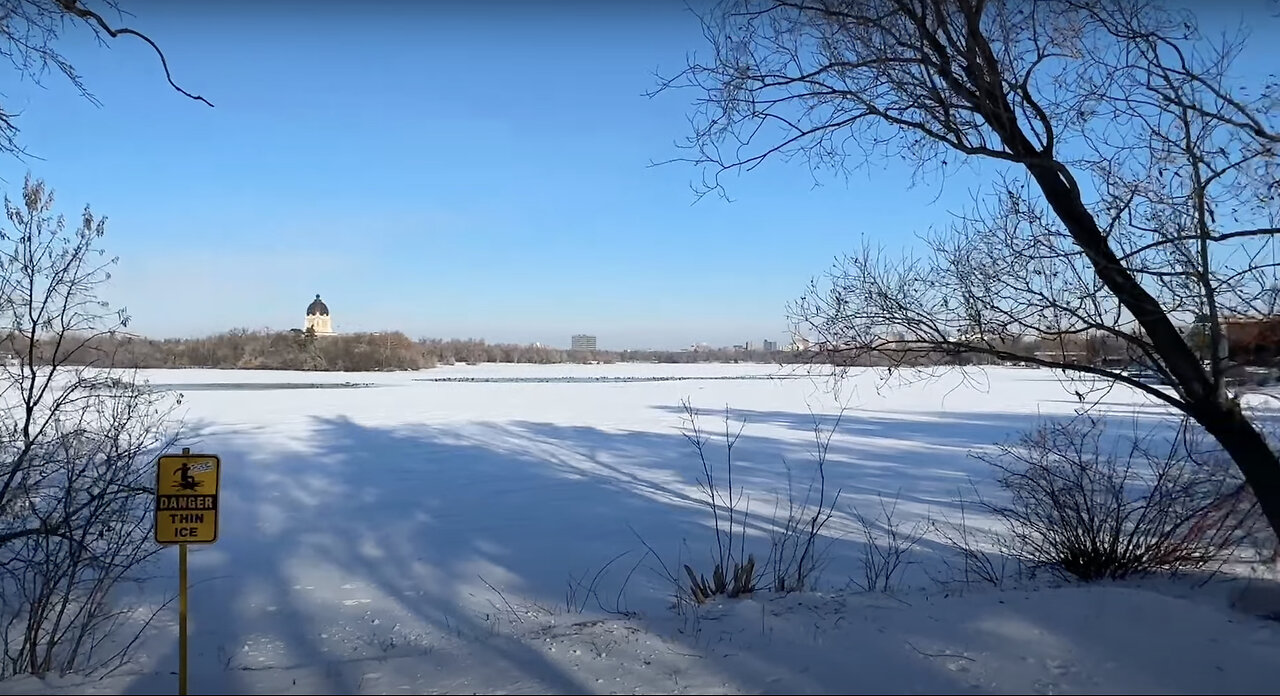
x=186, y=513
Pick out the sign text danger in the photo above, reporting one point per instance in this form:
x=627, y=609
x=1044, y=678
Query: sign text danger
x=187, y=502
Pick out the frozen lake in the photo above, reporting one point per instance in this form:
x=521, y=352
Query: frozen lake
x=363, y=525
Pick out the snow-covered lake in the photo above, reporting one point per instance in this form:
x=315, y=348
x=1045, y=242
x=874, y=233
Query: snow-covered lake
x=363, y=525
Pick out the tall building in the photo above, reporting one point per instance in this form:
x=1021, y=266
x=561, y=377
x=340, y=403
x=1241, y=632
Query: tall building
x=318, y=320
x=768, y=346
x=582, y=342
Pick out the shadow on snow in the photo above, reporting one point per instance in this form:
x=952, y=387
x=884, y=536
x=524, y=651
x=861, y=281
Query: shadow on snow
x=370, y=535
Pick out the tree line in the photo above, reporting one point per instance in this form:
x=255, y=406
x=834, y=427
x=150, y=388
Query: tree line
x=394, y=350
x=356, y=352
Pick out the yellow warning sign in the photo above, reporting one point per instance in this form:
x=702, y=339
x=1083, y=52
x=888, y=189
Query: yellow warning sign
x=187, y=499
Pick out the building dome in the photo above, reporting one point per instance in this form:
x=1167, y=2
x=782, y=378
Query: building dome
x=317, y=308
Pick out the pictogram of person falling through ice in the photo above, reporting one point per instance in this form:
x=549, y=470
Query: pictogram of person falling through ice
x=187, y=482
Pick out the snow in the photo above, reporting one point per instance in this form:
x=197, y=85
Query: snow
x=418, y=536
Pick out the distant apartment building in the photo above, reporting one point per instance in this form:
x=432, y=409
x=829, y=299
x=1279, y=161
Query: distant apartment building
x=768, y=346
x=582, y=342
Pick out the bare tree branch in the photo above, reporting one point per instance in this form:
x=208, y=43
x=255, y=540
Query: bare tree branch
x=1136, y=204
x=31, y=32
x=74, y=7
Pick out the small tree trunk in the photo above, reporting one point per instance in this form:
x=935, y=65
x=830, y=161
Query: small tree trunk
x=1250, y=452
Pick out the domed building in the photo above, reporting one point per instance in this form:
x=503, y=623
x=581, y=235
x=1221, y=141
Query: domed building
x=318, y=320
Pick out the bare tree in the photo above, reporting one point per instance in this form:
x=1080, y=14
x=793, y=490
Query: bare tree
x=77, y=443
x=30, y=33
x=1137, y=183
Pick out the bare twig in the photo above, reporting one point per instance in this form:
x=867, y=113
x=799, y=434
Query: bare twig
x=503, y=597
x=944, y=655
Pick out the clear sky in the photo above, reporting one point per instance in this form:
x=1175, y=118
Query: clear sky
x=450, y=172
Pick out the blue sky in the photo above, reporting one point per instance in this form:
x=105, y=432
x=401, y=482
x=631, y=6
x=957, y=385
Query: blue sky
x=446, y=172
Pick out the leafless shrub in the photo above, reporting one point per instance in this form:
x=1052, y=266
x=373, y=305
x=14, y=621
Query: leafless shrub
x=734, y=572
x=76, y=450
x=1093, y=508
x=887, y=546
x=798, y=545
x=982, y=557
x=797, y=553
